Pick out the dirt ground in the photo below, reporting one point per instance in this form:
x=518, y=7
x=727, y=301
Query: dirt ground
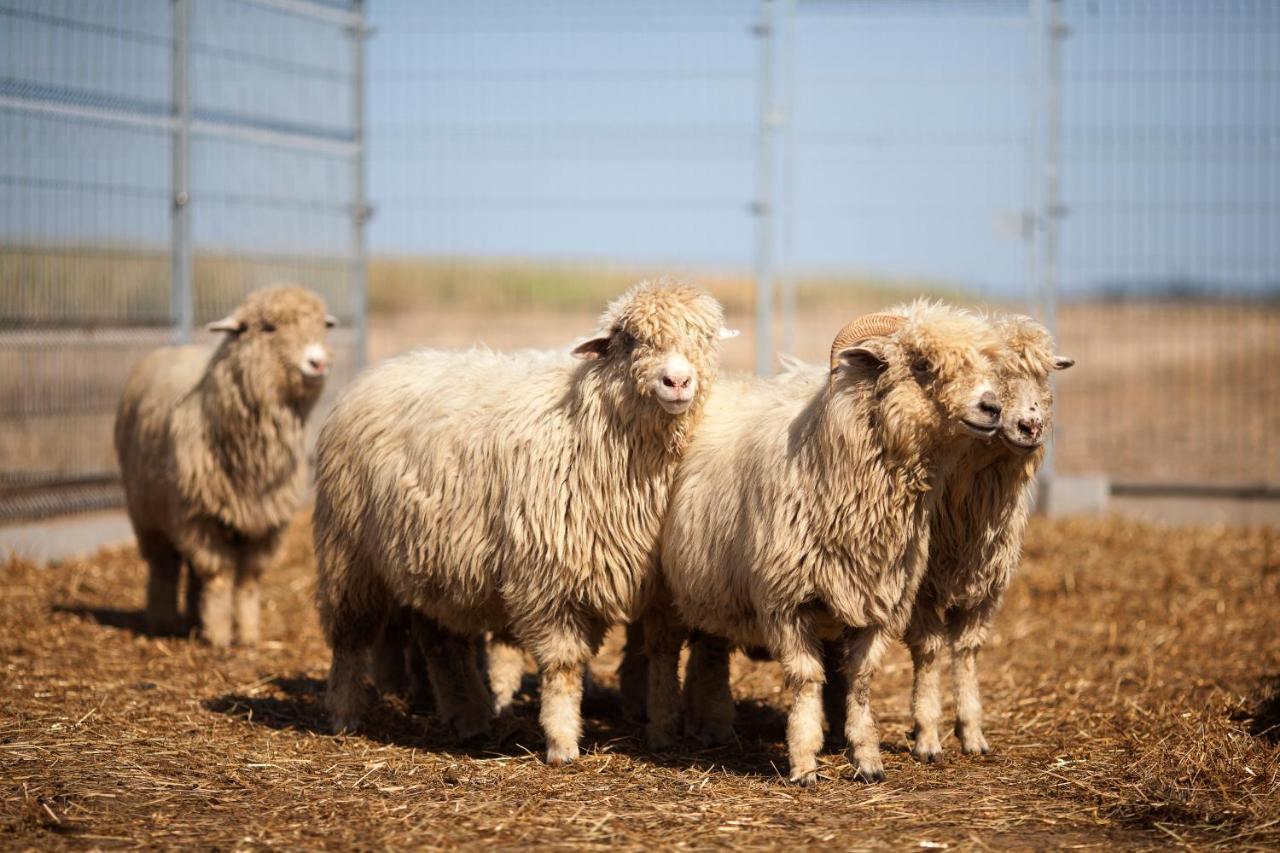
x=1132, y=692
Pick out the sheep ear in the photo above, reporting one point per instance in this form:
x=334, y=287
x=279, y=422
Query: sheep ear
x=1061, y=362
x=726, y=334
x=330, y=321
x=227, y=324
x=592, y=349
x=869, y=353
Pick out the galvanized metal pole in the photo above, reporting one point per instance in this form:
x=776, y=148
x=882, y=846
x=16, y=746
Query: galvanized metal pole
x=360, y=210
x=787, y=111
x=1051, y=33
x=181, y=301
x=763, y=207
x=1053, y=208
x=1035, y=153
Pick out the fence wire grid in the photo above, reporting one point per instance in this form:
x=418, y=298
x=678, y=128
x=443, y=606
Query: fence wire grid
x=1107, y=165
x=159, y=159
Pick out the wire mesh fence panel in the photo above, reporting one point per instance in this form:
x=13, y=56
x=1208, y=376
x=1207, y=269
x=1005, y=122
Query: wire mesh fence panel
x=1170, y=270
x=529, y=161
x=88, y=120
x=907, y=158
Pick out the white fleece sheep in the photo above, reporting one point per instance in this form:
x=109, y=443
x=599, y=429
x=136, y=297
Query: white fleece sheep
x=520, y=493
x=974, y=546
x=801, y=513
x=211, y=454
x=976, y=538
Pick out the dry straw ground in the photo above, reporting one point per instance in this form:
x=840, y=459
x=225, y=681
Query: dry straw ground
x=1133, y=693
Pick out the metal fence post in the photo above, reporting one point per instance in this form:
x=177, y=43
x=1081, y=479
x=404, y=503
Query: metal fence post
x=788, y=217
x=763, y=207
x=360, y=211
x=181, y=303
x=1049, y=33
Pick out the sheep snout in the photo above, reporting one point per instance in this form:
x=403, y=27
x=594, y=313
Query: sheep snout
x=677, y=384
x=983, y=417
x=315, y=362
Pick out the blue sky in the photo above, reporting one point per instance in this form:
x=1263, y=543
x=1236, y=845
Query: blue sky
x=626, y=133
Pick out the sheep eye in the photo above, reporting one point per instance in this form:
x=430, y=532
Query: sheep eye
x=922, y=366
x=268, y=327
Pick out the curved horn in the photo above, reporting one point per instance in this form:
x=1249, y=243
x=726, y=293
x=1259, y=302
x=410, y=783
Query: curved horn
x=866, y=326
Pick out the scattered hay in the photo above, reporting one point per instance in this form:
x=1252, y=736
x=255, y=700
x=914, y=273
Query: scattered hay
x=1132, y=699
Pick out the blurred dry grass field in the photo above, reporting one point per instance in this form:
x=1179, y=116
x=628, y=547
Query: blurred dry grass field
x=1163, y=391
x=1133, y=700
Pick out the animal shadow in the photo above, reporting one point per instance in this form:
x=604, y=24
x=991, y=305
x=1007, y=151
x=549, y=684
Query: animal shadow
x=1264, y=718
x=298, y=705
x=133, y=621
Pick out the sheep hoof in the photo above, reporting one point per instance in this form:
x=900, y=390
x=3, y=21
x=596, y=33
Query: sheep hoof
x=660, y=739
x=870, y=771
x=972, y=742
x=711, y=736
x=344, y=724
x=926, y=755
x=560, y=756
x=805, y=779
x=470, y=733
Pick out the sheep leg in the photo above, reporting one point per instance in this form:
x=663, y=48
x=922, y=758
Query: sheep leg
x=562, y=653
x=255, y=558
x=968, y=631
x=417, y=678
x=800, y=654
x=216, y=609
x=708, y=699
x=164, y=568
x=389, y=655
x=663, y=636
x=863, y=650
x=354, y=607
x=195, y=591
x=926, y=637
x=248, y=611
x=506, y=671
x=462, y=699
x=633, y=674
x=836, y=688
x=345, y=695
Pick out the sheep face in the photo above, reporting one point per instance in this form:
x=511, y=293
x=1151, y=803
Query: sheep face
x=663, y=340
x=935, y=376
x=278, y=336
x=1025, y=391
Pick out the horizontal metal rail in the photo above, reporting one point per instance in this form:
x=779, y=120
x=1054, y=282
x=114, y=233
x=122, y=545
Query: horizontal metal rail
x=307, y=9
x=292, y=140
x=1238, y=491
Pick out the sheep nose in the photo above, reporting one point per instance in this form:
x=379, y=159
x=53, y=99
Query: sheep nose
x=318, y=363
x=989, y=404
x=1030, y=428
x=679, y=381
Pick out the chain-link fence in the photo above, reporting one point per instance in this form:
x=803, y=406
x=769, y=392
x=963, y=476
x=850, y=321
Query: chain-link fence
x=159, y=159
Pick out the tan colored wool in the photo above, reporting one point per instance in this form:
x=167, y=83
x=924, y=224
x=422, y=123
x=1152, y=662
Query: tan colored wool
x=974, y=547
x=211, y=453
x=976, y=541
x=521, y=493
x=801, y=513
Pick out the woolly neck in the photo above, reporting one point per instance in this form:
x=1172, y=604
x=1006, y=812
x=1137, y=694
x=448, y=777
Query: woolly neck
x=254, y=444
